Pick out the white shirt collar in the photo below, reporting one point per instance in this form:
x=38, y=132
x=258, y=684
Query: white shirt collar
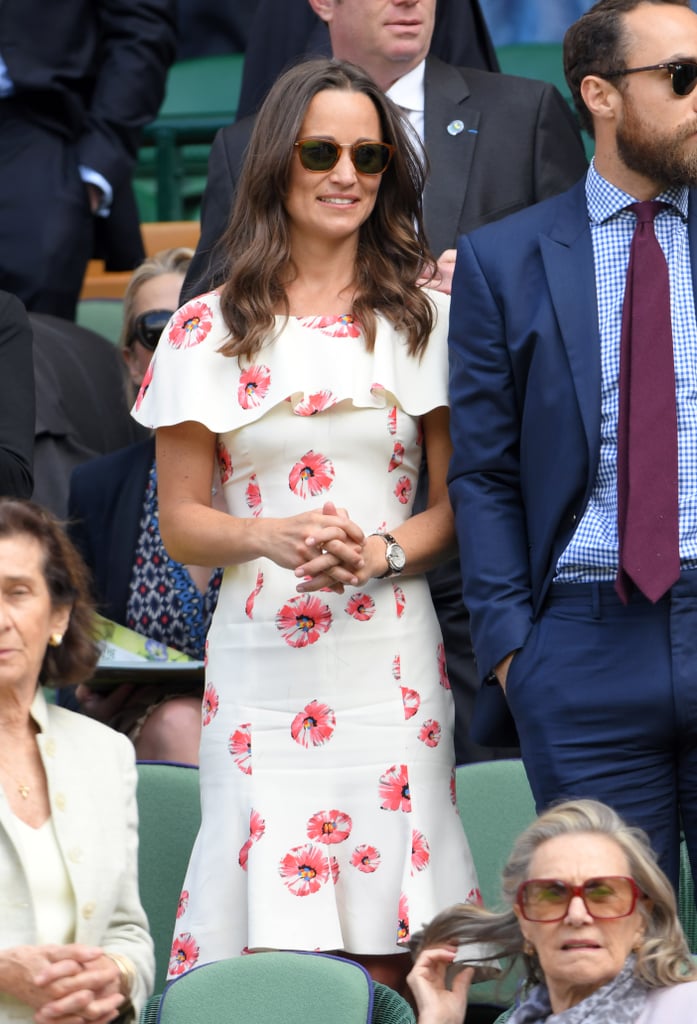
x=408, y=91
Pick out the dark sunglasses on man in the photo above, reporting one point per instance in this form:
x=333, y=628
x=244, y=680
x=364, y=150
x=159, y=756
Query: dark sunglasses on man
x=148, y=327
x=683, y=74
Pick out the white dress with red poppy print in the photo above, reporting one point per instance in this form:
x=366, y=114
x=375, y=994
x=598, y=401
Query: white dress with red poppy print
x=327, y=783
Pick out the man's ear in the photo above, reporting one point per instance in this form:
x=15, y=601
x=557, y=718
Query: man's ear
x=322, y=8
x=601, y=97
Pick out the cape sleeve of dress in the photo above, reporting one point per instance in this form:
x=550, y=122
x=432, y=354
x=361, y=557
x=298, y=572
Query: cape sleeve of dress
x=313, y=362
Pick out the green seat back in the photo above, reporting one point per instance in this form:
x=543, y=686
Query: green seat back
x=104, y=316
x=495, y=804
x=292, y=988
x=169, y=814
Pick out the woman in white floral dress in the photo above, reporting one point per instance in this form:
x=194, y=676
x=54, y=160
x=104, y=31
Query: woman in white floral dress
x=319, y=374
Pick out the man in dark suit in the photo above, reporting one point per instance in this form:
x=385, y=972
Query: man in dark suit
x=16, y=400
x=601, y=679
x=78, y=80
x=494, y=143
x=283, y=30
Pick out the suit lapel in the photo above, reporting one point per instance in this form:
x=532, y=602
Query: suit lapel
x=567, y=254
x=451, y=128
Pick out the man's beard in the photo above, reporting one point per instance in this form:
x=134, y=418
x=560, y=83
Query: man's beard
x=666, y=159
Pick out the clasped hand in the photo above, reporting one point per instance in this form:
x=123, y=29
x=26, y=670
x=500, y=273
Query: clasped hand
x=339, y=560
x=67, y=984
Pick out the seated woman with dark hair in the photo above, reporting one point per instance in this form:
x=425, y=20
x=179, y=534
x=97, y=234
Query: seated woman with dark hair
x=74, y=942
x=593, y=918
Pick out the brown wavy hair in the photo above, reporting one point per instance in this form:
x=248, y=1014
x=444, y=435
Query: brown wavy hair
x=392, y=249
x=67, y=579
x=663, y=957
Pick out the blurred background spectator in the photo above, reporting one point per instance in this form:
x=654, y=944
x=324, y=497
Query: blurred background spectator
x=75, y=93
x=16, y=400
x=114, y=522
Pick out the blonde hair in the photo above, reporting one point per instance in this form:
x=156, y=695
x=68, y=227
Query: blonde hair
x=168, y=261
x=663, y=957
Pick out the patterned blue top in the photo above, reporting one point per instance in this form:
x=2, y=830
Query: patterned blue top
x=165, y=604
x=592, y=551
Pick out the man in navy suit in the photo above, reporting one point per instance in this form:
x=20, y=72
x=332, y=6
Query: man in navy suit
x=603, y=693
x=495, y=144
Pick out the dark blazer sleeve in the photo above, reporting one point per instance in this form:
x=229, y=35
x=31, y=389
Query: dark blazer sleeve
x=16, y=399
x=224, y=168
x=136, y=46
x=484, y=477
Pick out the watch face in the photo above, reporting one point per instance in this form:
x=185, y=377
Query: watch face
x=396, y=559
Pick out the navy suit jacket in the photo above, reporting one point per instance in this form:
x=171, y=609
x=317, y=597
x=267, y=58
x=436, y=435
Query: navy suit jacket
x=105, y=509
x=525, y=408
x=518, y=144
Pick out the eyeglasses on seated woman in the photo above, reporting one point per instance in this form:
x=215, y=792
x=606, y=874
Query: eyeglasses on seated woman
x=593, y=918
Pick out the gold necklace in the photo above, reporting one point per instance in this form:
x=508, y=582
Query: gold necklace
x=22, y=788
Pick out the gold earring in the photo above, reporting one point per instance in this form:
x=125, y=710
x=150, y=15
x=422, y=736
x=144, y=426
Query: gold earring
x=55, y=639
x=528, y=948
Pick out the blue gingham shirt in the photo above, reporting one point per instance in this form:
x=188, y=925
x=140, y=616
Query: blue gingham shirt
x=592, y=552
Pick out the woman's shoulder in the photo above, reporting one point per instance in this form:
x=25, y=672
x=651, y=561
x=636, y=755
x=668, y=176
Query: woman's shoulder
x=663, y=1004
x=62, y=724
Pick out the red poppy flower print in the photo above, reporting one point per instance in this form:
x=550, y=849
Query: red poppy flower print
x=474, y=896
x=442, y=667
x=209, y=705
x=334, y=326
x=366, y=858
x=304, y=869
x=315, y=403
x=184, y=954
x=420, y=851
x=392, y=420
x=257, y=827
x=402, y=491
x=183, y=903
x=411, y=701
x=361, y=607
x=253, y=496
x=314, y=725
x=335, y=869
x=303, y=620
x=240, y=746
x=224, y=462
x=397, y=667
x=453, y=789
x=429, y=733
x=145, y=384
x=399, y=599
x=397, y=457
x=254, y=386
x=403, y=922
x=190, y=325
x=394, y=789
x=312, y=475
x=329, y=827
x=249, y=603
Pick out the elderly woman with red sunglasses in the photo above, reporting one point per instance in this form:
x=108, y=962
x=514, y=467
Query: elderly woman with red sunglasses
x=593, y=918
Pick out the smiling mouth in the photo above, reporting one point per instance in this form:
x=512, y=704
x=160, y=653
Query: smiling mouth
x=580, y=945
x=336, y=201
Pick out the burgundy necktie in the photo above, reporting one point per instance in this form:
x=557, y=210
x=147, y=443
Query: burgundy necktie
x=647, y=435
